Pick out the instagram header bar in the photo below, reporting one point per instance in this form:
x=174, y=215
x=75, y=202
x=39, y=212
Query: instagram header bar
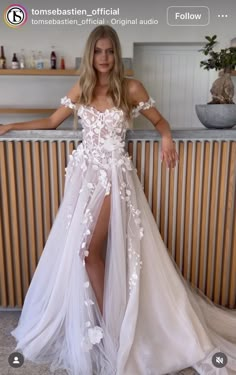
x=17, y=15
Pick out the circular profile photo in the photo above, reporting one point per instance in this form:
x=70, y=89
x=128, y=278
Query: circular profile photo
x=15, y=15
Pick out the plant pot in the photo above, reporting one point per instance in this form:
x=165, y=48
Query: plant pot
x=217, y=116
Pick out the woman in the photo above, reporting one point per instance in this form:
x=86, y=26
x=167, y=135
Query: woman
x=106, y=298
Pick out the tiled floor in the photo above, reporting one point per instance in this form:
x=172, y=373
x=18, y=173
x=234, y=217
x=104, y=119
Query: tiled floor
x=8, y=320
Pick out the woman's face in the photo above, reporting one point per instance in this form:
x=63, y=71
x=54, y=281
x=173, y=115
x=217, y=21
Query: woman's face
x=103, y=59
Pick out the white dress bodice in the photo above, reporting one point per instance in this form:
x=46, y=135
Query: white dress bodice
x=104, y=132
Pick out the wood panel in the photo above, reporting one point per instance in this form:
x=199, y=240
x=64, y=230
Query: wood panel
x=193, y=205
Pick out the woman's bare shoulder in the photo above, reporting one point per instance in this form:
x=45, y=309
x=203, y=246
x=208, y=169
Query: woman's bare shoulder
x=136, y=91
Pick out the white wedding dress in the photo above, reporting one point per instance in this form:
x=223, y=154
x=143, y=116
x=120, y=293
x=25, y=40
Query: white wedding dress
x=153, y=321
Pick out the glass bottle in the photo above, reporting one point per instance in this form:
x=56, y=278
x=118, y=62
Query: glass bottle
x=53, y=58
x=2, y=59
x=22, y=59
x=39, y=61
x=32, y=60
x=63, y=63
x=15, y=62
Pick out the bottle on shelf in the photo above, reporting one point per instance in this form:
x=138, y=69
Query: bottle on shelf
x=39, y=61
x=32, y=60
x=63, y=63
x=22, y=59
x=53, y=59
x=2, y=59
x=14, y=62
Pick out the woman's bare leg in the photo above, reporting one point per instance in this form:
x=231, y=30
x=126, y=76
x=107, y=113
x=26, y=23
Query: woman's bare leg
x=95, y=264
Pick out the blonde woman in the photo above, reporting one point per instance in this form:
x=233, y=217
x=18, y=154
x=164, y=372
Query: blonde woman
x=106, y=298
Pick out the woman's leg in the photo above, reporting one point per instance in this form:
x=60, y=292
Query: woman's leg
x=95, y=264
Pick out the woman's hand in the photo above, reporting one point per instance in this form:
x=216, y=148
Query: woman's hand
x=4, y=129
x=168, y=151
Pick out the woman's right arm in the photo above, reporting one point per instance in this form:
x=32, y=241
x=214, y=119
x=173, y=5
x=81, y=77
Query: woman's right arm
x=51, y=122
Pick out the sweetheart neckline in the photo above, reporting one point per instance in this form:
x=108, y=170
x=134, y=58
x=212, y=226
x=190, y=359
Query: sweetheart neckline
x=97, y=110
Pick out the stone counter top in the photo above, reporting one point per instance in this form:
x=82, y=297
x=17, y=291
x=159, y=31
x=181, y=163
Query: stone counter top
x=223, y=134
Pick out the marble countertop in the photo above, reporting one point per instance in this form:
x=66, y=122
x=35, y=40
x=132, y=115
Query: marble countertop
x=141, y=134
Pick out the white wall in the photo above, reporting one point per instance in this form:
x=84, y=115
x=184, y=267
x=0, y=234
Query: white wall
x=172, y=75
x=69, y=41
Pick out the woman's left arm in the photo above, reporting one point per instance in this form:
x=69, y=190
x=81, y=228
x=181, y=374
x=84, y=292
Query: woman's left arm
x=138, y=94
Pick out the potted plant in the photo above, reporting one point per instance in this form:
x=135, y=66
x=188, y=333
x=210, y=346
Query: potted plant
x=220, y=112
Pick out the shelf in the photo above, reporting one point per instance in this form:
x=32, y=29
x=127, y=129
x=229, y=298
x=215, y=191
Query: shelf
x=39, y=72
x=46, y=72
x=27, y=110
x=54, y=72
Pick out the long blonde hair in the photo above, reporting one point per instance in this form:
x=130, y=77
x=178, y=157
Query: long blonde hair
x=118, y=89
